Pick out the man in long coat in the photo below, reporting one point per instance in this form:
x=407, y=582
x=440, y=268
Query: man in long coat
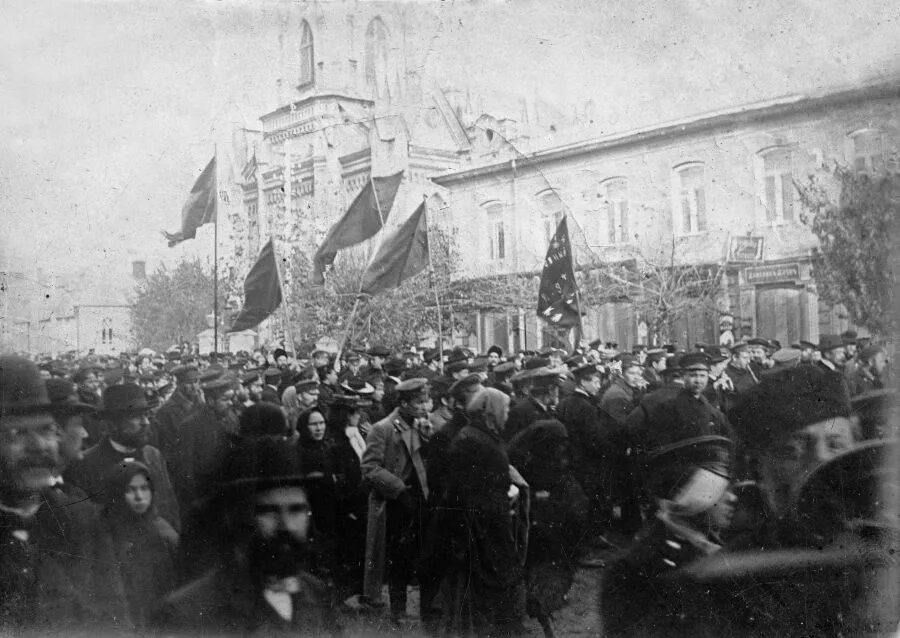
x=394, y=470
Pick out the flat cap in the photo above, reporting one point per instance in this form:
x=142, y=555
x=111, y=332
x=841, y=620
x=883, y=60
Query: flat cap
x=695, y=361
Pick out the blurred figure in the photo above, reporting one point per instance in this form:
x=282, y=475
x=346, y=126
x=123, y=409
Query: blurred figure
x=271, y=579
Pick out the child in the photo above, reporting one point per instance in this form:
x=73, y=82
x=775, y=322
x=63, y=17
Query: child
x=143, y=542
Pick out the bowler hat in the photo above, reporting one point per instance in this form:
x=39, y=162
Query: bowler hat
x=124, y=399
x=830, y=342
x=259, y=464
x=22, y=391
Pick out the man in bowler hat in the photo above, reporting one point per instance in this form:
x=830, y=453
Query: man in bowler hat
x=56, y=572
x=126, y=412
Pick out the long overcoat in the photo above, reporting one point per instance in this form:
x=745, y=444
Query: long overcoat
x=393, y=451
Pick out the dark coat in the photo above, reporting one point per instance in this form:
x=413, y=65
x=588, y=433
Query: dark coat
x=91, y=473
x=484, y=588
x=168, y=420
x=589, y=432
x=226, y=602
x=619, y=400
x=522, y=413
x=203, y=443
x=64, y=576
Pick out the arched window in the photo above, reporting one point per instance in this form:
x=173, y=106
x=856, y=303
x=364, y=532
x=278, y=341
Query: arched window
x=615, y=200
x=689, y=198
x=377, y=57
x=307, y=55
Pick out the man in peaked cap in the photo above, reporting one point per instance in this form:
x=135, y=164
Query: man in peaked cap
x=126, y=413
x=203, y=440
x=271, y=381
x=393, y=468
x=169, y=417
x=540, y=390
x=588, y=431
x=270, y=578
x=58, y=572
x=693, y=503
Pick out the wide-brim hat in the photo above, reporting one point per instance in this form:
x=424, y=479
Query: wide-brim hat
x=858, y=488
x=355, y=385
x=124, y=399
x=259, y=464
x=22, y=390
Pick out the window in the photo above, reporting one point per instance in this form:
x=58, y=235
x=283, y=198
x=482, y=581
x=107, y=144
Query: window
x=615, y=194
x=690, y=199
x=868, y=152
x=377, y=56
x=551, y=214
x=496, y=232
x=307, y=57
x=777, y=188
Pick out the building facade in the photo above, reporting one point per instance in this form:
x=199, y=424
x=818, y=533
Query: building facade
x=718, y=189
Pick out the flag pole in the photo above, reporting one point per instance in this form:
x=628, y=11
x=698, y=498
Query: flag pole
x=288, y=331
x=437, y=297
x=579, y=335
x=216, y=255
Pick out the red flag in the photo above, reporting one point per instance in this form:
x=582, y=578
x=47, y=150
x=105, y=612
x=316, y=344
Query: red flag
x=557, y=298
x=400, y=256
x=262, y=290
x=362, y=221
x=200, y=208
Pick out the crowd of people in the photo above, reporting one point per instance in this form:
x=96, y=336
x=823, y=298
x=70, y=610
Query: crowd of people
x=723, y=490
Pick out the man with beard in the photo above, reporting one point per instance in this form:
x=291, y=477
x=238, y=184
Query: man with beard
x=56, y=574
x=252, y=386
x=270, y=580
x=204, y=439
x=125, y=411
x=174, y=411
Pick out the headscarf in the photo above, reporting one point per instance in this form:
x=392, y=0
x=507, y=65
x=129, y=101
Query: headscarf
x=491, y=406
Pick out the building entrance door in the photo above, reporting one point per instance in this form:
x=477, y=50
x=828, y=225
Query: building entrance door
x=780, y=314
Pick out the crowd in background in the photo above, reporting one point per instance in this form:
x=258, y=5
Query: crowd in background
x=266, y=492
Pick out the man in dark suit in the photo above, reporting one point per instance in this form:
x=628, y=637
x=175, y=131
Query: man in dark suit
x=539, y=390
x=271, y=579
x=171, y=414
x=126, y=411
x=57, y=572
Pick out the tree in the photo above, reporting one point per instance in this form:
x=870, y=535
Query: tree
x=172, y=305
x=854, y=216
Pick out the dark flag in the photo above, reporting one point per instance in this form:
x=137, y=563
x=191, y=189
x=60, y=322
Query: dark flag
x=557, y=298
x=400, y=256
x=262, y=290
x=200, y=208
x=361, y=221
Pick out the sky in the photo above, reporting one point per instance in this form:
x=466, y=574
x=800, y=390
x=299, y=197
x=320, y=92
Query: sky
x=107, y=107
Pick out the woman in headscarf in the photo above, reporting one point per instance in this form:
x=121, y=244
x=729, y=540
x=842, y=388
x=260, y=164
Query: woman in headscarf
x=484, y=588
x=558, y=516
x=315, y=455
x=144, y=543
x=351, y=498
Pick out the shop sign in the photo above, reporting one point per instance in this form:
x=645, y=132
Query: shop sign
x=772, y=274
x=745, y=249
